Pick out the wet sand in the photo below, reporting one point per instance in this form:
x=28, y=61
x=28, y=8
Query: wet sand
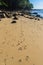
x=21, y=43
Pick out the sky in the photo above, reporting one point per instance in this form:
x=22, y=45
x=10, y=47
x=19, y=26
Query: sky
x=38, y=4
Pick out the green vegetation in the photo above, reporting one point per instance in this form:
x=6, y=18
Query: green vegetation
x=16, y=4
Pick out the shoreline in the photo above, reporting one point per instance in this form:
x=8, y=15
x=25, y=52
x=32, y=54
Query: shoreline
x=21, y=13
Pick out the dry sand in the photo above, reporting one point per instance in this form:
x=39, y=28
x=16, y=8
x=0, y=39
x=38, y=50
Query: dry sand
x=21, y=43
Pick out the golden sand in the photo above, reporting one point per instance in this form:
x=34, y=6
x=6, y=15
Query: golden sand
x=21, y=43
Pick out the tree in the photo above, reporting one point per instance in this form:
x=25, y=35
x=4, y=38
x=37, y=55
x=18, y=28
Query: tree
x=17, y=4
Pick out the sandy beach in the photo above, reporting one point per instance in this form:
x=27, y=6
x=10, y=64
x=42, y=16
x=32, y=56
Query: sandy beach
x=21, y=43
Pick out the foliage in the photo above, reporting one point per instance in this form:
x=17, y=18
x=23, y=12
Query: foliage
x=17, y=4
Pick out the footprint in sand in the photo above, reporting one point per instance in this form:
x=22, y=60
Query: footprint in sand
x=7, y=43
x=12, y=57
x=20, y=49
x=6, y=32
x=22, y=40
x=25, y=47
x=12, y=45
x=1, y=51
x=33, y=64
x=18, y=44
x=5, y=61
x=22, y=33
x=27, y=58
x=6, y=55
x=3, y=42
x=20, y=60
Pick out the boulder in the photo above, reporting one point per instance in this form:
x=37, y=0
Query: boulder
x=38, y=15
x=35, y=13
x=14, y=14
x=2, y=15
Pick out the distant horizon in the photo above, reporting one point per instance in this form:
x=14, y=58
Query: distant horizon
x=38, y=4
x=33, y=8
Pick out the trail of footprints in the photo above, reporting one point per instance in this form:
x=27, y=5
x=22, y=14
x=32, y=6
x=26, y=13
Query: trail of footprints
x=26, y=58
x=20, y=48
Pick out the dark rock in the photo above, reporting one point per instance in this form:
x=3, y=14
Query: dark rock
x=13, y=22
x=8, y=15
x=15, y=18
x=15, y=14
x=31, y=17
x=27, y=17
x=2, y=15
x=22, y=14
x=35, y=18
x=18, y=13
x=0, y=19
x=38, y=16
x=38, y=19
x=27, y=12
x=35, y=13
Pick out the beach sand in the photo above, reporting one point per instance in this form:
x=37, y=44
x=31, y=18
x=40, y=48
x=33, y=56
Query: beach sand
x=21, y=43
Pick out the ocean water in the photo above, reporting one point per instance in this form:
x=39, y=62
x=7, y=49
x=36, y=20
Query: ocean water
x=39, y=11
